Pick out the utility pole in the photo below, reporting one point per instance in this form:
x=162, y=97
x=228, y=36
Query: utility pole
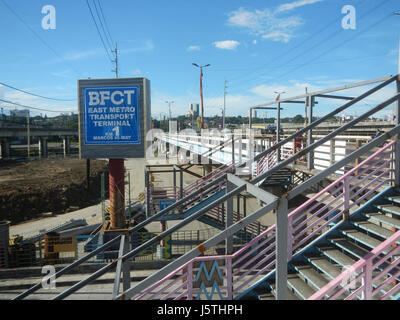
x=305, y=110
x=28, y=134
x=223, y=119
x=201, y=93
x=115, y=52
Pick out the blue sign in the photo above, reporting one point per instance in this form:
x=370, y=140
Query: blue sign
x=111, y=115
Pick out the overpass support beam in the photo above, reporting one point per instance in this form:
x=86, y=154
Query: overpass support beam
x=5, y=149
x=66, y=145
x=43, y=147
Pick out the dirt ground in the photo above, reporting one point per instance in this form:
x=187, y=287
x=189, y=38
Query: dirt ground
x=29, y=189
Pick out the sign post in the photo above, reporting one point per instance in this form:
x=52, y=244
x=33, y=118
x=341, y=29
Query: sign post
x=114, y=117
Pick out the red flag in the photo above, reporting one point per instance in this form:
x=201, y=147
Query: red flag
x=278, y=98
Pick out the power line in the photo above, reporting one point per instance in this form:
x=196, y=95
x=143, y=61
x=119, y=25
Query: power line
x=33, y=94
x=334, y=47
x=34, y=108
x=105, y=21
x=334, y=34
x=37, y=36
x=102, y=26
x=98, y=31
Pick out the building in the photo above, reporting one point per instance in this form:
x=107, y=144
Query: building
x=19, y=113
x=195, y=107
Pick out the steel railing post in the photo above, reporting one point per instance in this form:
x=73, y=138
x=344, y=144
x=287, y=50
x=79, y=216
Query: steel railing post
x=229, y=218
x=346, y=199
x=397, y=147
x=281, y=249
x=367, y=281
x=310, y=155
x=229, y=277
x=190, y=281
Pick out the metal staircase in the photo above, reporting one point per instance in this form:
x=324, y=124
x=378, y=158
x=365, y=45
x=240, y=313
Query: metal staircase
x=242, y=271
x=339, y=249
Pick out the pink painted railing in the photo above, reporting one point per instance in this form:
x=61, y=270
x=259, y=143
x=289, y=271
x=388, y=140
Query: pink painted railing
x=336, y=200
x=271, y=159
x=376, y=276
x=207, y=179
x=255, y=260
x=216, y=213
x=181, y=284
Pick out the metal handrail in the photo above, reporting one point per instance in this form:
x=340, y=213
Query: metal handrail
x=228, y=195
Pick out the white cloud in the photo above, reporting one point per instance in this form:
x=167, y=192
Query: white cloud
x=296, y=4
x=277, y=36
x=227, y=44
x=146, y=45
x=269, y=23
x=193, y=48
x=265, y=23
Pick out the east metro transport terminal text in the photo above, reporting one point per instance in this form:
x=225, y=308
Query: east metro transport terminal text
x=96, y=118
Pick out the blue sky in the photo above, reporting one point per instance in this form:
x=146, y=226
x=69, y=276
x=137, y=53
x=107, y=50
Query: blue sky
x=258, y=46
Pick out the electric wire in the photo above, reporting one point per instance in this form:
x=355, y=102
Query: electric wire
x=308, y=50
x=105, y=21
x=33, y=94
x=102, y=26
x=98, y=31
x=37, y=36
x=34, y=108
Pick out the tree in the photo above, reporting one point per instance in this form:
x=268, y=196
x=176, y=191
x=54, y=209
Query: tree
x=298, y=119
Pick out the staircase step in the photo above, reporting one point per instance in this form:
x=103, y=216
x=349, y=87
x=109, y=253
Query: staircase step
x=311, y=276
x=362, y=238
x=337, y=256
x=395, y=199
x=289, y=294
x=384, y=219
x=389, y=208
x=350, y=247
x=373, y=228
x=300, y=288
x=325, y=266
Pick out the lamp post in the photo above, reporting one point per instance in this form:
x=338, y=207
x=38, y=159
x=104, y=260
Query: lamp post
x=201, y=92
x=278, y=121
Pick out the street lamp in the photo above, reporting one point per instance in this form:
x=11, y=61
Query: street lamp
x=169, y=108
x=278, y=122
x=201, y=92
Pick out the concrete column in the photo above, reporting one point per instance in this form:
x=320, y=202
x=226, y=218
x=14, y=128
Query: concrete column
x=5, y=149
x=43, y=149
x=117, y=193
x=66, y=145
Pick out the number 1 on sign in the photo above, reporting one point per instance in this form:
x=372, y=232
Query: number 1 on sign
x=116, y=130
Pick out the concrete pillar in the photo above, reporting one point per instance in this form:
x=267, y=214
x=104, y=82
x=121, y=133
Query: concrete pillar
x=5, y=149
x=117, y=193
x=66, y=145
x=43, y=149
